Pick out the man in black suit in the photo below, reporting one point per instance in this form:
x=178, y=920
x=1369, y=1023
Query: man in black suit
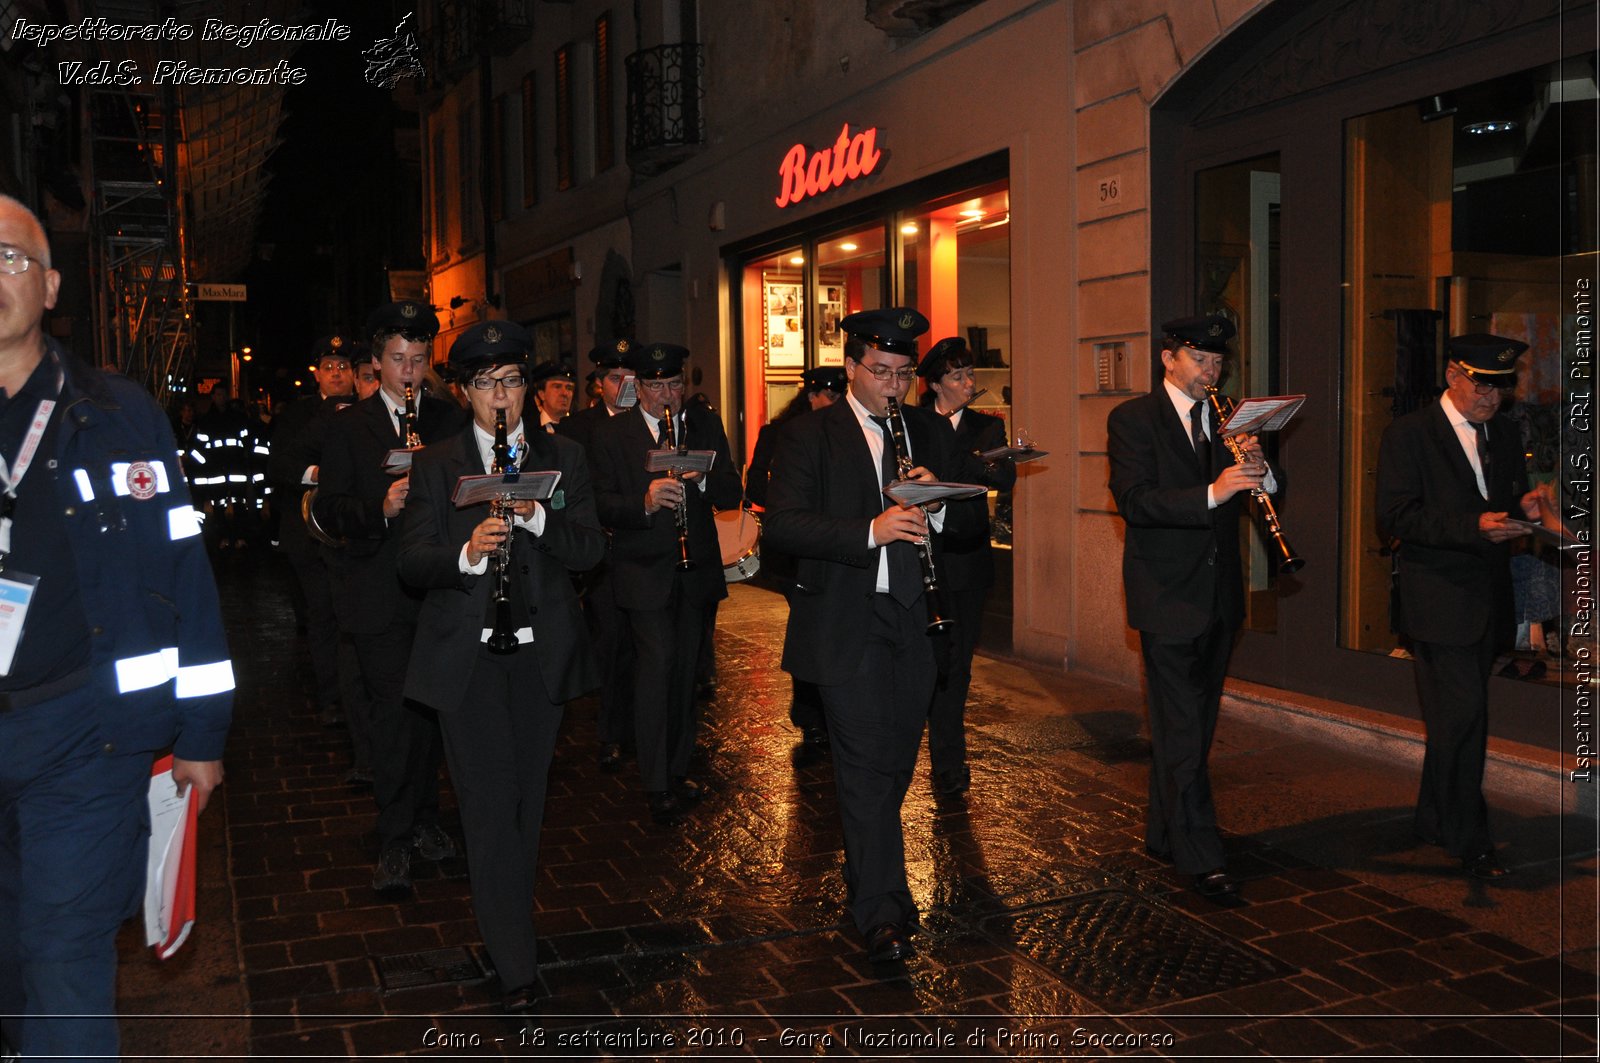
x=1179, y=492
x=293, y=470
x=858, y=617
x=553, y=387
x=360, y=500
x=664, y=602
x=966, y=560
x=607, y=623
x=500, y=711
x=1449, y=475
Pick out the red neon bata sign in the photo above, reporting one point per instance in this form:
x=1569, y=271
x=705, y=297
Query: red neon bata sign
x=849, y=158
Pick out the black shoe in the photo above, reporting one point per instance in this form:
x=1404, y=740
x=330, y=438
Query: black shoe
x=815, y=735
x=952, y=783
x=1486, y=865
x=889, y=943
x=611, y=756
x=706, y=691
x=687, y=791
x=1215, y=884
x=394, y=870
x=433, y=843
x=1158, y=854
x=522, y=1000
x=665, y=807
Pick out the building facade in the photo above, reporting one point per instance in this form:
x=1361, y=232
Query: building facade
x=1350, y=180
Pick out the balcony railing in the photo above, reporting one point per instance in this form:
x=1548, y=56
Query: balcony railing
x=666, y=123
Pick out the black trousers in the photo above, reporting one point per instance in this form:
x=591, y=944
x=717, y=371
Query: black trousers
x=322, y=627
x=1453, y=686
x=1183, y=680
x=667, y=644
x=947, y=716
x=406, y=748
x=500, y=743
x=613, y=647
x=875, y=721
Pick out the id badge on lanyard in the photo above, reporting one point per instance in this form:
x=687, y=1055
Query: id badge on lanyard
x=16, y=588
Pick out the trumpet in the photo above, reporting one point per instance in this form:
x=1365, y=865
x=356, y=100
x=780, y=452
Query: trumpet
x=1271, y=526
x=680, y=515
x=503, y=637
x=413, y=441
x=937, y=618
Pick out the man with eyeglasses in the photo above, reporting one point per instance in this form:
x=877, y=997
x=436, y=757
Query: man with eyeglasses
x=1179, y=492
x=500, y=712
x=292, y=470
x=607, y=623
x=858, y=616
x=1451, y=475
x=360, y=500
x=665, y=604
x=113, y=649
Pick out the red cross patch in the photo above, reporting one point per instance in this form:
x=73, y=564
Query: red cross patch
x=141, y=480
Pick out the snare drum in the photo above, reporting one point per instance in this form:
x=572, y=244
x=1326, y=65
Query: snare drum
x=739, y=535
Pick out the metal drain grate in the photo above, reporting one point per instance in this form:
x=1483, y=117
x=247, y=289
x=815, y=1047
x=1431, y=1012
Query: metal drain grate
x=409, y=970
x=1122, y=951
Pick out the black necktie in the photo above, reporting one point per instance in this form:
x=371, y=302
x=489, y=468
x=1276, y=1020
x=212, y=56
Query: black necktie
x=1481, y=432
x=905, y=571
x=1197, y=432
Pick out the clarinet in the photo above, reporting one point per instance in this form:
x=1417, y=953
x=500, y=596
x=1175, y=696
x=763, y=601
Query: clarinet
x=680, y=516
x=503, y=637
x=937, y=619
x=1271, y=526
x=413, y=441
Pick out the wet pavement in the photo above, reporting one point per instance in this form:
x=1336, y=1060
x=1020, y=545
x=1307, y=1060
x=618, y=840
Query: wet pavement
x=1048, y=932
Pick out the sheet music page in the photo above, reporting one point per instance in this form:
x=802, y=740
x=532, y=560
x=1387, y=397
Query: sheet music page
x=1262, y=414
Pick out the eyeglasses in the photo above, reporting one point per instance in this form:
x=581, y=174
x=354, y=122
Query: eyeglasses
x=336, y=367
x=656, y=387
x=882, y=373
x=512, y=381
x=13, y=261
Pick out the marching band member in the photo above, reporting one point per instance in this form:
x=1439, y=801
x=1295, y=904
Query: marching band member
x=858, y=618
x=360, y=501
x=500, y=711
x=966, y=560
x=664, y=603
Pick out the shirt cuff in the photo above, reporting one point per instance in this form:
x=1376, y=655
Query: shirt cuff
x=1211, y=499
x=468, y=569
x=534, y=524
x=307, y=478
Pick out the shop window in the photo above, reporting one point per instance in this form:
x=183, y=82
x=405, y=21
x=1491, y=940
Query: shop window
x=1237, y=219
x=1463, y=212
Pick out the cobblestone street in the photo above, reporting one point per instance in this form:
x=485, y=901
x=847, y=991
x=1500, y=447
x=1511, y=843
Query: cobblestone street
x=1048, y=930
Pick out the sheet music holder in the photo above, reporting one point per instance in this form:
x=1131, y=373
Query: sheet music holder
x=1561, y=539
x=399, y=459
x=1262, y=414
x=924, y=492
x=1018, y=455
x=679, y=462
x=485, y=487
x=628, y=394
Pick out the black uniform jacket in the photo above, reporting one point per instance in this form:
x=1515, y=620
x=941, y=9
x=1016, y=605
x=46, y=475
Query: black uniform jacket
x=966, y=559
x=351, y=488
x=1450, y=582
x=644, y=546
x=1180, y=561
x=821, y=501
x=456, y=606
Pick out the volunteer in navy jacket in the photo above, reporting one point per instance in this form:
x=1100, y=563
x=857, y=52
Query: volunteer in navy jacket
x=121, y=655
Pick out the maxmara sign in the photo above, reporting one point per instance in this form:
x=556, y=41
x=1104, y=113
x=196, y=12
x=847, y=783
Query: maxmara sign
x=807, y=173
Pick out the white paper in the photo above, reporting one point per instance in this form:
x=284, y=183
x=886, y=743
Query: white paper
x=169, y=817
x=1262, y=414
x=16, y=592
x=675, y=461
x=471, y=490
x=923, y=492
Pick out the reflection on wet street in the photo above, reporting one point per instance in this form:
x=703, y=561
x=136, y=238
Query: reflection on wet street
x=1047, y=930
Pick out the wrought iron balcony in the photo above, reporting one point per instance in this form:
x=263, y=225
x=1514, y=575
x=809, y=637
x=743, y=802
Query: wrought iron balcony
x=460, y=31
x=666, y=94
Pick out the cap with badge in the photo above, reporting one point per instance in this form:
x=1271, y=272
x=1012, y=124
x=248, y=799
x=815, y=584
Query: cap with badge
x=892, y=328
x=949, y=353
x=1486, y=359
x=825, y=378
x=1209, y=333
x=656, y=361
x=407, y=316
x=549, y=371
x=611, y=354
x=334, y=346
x=490, y=343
